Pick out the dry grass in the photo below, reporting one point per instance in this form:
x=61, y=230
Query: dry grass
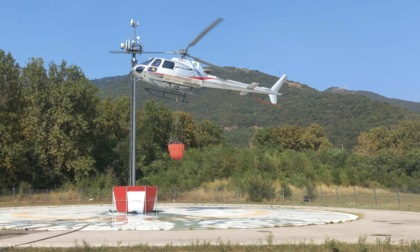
x=214, y=192
x=266, y=245
x=222, y=191
x=49, y=197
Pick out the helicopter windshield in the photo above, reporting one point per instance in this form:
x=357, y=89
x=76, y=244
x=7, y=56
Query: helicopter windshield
x=156, y=62
x=139, y=69
x=147, y=62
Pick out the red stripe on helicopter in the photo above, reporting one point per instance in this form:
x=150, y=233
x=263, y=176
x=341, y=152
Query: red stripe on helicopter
x=203, y=78
x=195, y=77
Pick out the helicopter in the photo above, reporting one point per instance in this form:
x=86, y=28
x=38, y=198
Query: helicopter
x=183, y=74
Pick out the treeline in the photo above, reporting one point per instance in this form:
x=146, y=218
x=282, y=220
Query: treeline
x=55, y=131
x=52, y=124
x=302, y=157
x=54, y=128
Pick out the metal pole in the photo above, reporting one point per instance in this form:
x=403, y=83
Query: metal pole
x=134, y=24
x=132, y=47
x=133, y=133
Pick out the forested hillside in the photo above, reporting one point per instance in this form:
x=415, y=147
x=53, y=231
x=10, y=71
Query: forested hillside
x=409, y=105
x=343, y=116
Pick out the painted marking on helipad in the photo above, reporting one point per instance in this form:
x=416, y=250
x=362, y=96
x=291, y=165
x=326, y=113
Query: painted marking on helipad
x=167, y=217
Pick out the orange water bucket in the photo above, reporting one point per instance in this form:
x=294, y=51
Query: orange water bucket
x=176, y=150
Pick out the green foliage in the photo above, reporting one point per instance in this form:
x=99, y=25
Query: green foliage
x=156, y=120
x=94, y=184
x=197, y=167
x=208, y=133
x=58, y=124
x=183, y=129
x=404, y=137
x=110, y=148
x=259, y=188
x=12, y=162
x=292, y=137
x=238, y=136
x=159, y=126
x=53, y=126
x=248, y=167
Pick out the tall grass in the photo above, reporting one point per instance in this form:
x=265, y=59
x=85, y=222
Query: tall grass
x=99, y=190
x=267, y=245
x=222, y=191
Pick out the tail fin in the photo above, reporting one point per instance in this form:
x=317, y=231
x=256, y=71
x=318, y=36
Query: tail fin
x=276, y=87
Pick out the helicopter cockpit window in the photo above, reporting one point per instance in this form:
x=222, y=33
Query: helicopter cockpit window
x=139, y=69
x=168, y=64
x=147, y=62
x=157, y=62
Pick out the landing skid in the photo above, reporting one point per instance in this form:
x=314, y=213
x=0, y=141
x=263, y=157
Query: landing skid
x=173, y=95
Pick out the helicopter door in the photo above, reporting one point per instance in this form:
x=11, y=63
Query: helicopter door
x=155, y=65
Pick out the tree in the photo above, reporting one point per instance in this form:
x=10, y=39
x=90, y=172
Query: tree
x=369, y=143
x=314, y=138
x=59, y=122
x=38, y=122
x=153, y=132
x=75, y=106
x=111, y=130
x=399, y=139
x=292, y=137
x=12, y=162
x=208, y=134
x=282, y=137
x=408, y=134
x=263, y=137
x=288, y=136
x=184, y=128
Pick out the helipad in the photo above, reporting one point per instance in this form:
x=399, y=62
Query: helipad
x=166, y=217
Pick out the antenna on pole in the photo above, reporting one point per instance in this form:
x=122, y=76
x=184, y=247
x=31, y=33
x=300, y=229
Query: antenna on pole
x=132, y=47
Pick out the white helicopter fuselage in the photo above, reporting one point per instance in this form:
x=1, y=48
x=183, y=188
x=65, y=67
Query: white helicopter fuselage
x=184, y=74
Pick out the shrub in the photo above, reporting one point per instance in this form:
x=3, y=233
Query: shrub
x=94, y=186
x=259, y=189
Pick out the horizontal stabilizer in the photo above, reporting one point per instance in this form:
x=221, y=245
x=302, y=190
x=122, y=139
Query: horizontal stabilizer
x=251, y=86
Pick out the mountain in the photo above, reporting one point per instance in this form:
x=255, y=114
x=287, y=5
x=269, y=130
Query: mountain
x=343, y=115
x=409, y=105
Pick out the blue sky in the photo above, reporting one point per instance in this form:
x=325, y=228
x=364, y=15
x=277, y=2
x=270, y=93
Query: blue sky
x=356, y=44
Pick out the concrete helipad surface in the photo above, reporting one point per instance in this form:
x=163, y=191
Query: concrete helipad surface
x=166, y=217
x=67, y=226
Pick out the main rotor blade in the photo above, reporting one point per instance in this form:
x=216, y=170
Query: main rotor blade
x=129, y=52
x=203, y=33
x=117, y=51
x=161, y=52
